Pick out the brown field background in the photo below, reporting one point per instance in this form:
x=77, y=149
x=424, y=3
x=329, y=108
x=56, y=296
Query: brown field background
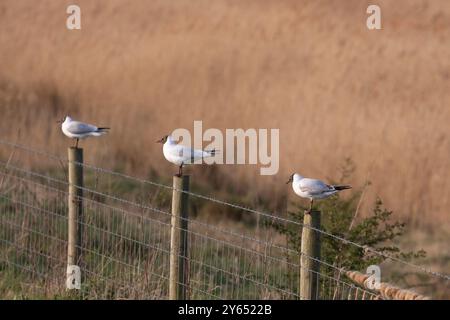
x=310, y=68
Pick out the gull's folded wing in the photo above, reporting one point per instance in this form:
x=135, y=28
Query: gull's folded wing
x=313, y=186
x=188, y=154
x=76, y=127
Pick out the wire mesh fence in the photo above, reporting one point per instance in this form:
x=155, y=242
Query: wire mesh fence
x=126, y=242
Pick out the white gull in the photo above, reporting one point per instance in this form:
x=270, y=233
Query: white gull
x=181, y=155
x=313, y=189
x=79, y=130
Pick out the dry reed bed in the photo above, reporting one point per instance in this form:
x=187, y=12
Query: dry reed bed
x=309, y=68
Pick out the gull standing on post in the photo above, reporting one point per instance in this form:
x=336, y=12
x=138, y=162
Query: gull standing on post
x=79, y=130
x=181, y=155
x=313, y=188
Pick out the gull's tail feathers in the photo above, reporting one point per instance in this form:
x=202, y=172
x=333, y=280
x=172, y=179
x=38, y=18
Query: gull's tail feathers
x=100, y=131
x=213, y=152
x=342, y=187
x=103, y=129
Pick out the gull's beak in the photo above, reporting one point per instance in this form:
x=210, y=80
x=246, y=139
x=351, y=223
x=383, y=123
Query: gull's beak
x=159, y=141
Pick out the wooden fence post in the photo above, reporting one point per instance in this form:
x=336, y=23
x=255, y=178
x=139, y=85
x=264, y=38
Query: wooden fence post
x=178, y=277
x=73, y=280
x=310, y=247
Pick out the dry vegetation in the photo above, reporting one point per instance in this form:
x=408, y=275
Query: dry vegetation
x=310, y=68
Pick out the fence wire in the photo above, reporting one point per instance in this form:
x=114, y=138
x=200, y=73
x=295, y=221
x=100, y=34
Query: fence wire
x=125, y=246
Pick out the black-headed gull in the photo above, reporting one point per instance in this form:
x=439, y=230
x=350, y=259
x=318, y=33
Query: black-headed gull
x=79, y=130
x=313, y=188
x=181, y=155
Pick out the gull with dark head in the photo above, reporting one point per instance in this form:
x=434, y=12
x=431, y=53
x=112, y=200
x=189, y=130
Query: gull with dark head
x=313, y=189
x=181, y=155
x=79, y=130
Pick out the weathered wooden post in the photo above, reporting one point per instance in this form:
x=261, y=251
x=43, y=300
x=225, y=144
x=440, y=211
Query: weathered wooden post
x=178, y=273
x=310, y=247
x=75, y=155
